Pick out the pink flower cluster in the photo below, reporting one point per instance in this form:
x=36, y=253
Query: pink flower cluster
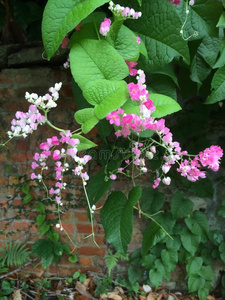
x=105, y=26
x=129, y=123
x=177, y=2
x=125, y=12
x=67, y=149
x=48, y=100
x=26, y=123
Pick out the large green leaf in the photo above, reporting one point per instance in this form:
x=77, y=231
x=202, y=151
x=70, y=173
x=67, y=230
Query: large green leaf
x=194, y=265
x=200, y=18
x=190, y=241
x=93, y=60
x=181, y=207
x=87, y=118
x=199, y=69
x=162, y=84
x=198, y=223
x=117, y=220
x=152, y=200
x=84, y=143
x=159, y=28
x=195, y=282
x=153, y=234
x=106, y=95
x=164, y=105
x=124, y=42
x=218, y=87
x=62, y=16
x=157, y=273
x=169, y=258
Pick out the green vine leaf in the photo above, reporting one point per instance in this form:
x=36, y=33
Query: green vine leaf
x=181, y=207
x=67, y=15
x=164, y=105
x=117, y=220
x=92, y=60
x=84, y=143
x=217, y=87
x=105, y=95
x=153, y=234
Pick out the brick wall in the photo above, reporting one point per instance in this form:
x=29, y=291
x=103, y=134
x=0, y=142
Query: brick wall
x=15, y=79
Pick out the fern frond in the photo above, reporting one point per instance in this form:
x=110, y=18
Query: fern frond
x=15, y=254
x=111, y=261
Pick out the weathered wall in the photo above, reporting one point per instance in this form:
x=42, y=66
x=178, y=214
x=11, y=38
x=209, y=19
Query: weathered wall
x=23, y=69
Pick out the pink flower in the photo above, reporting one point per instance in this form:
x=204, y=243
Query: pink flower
x=84, y=176
x=166, y=180
x=78, y=27
x=166, y=167
x=33, y=176
x=113, y=118
x=65, y=42
x=56, y=155
x=175, y=2
x=134, y=91
x=34, y=165
x=156, y=183
x=105, y=27
x=138, y=40
x=113, y=176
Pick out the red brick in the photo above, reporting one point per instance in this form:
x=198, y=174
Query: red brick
x=21, y=157
x=86, y=228
x=21, y=78
x=6, y=93
x=61, y=270
x=22, y=145
x=66, y=90
x=24, y=226
x=89, y=251
x=13, y=180
x=3, y=226
x=5, y=79
x=66, y=217
x=3, y=181
x=69, y=228
x=3, y=157
x=82, y=239
x=82, y=216
x=85, y=261
x=17, y=202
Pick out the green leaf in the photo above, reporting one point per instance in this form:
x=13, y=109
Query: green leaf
x=58, y=248
x=73, y=258
x=209, y=49
x=67, y=15
x=152, y=200
x=124, y=42
x=27, y=198
x=156, y=32
x=76, y=275
x=131, y=107
x=40, y=219
x=53, y=236
x=207, y=273
x=157, y=273
x=152, y=235
x=106, y=96
x=135, y=194
x=92, y=60
x=47, y=260
x=44, y=228
x=84, y=143
x=190, y=241
x=162, y=84
x=82, y=278
x=217, y=87
x=181, y=207
x=194, y=265
x=134, y=274
x=195, y=283
x=117, y=220
x=203, y=293
x=88, y=32
x=66, y=249
x=25, y=189
x=199, y=69
x=40, y=207
x=164, y=105
x=104, y=129
x=203, y=188
x=169, y=258
x=87, y=118
x=221, y=60
x=198, y=223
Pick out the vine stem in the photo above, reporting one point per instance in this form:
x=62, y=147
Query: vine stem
x=150, y=217
x=91, y=216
